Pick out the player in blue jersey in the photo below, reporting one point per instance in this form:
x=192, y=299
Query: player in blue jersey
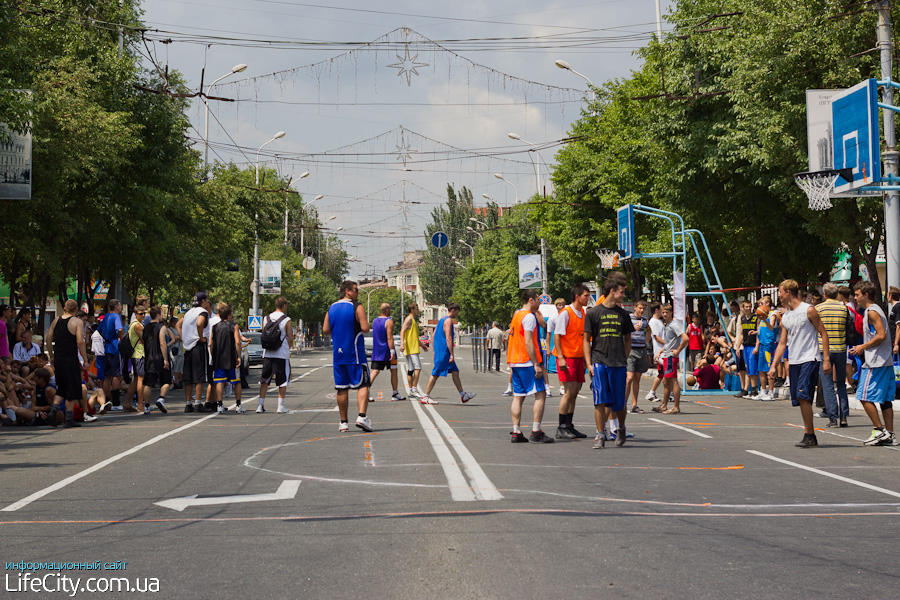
x=384, y=356
x=444, y=360
x=346, y=322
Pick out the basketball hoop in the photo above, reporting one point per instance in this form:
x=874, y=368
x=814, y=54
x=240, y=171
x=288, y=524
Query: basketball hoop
x=819, y=185
x=609, y=259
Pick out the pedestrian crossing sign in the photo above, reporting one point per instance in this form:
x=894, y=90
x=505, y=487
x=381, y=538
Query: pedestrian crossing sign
x=255, y=323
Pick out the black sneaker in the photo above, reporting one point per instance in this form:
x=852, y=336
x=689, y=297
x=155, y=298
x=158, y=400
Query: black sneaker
x=844, y=422
x=564, y=433
x=201, y=408
x=71, y=423
x=741, y=394
x=518, y=437
x=188, y=407
x=809, y=441
x=540, y=437
x=577, y=433
x=621, y=435
x=832, y=423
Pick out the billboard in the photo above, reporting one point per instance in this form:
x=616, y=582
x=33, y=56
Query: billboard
x=15, y=164
x=530, y=271
x=270, y=277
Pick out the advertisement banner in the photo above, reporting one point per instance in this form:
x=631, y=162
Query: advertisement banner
x=270, y=277
x=15, y=164
x=530, y=275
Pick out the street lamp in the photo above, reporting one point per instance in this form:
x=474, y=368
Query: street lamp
x=501, y=178
x=472, y=248
x=515, y=136
x=277, y=136
x=474, y=220
x=304, y=175
x=564, y=65
x=475, y=232
x=235, y=69
x=302, y=230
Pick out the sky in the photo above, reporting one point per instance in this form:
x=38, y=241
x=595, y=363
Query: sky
x=386, y=103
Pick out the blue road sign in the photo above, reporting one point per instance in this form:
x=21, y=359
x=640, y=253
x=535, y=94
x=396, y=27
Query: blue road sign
x=255, y=323
x=625, y=218
x=854, y=114
x=439, y=239
x=546, y=299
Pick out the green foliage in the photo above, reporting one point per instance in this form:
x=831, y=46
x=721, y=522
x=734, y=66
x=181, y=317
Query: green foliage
x=437, y=274
x=391, y=295
x=712, y=127
x=488, y=288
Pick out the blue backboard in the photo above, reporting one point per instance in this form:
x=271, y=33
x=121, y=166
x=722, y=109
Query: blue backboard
x=856, y=138
x=625, y=220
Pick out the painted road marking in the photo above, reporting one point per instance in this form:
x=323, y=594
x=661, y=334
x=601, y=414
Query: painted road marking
x=483, y=486
x=697, y=433
x=370, y=453
x=286, y=491
x=827, y=474
x=459, y=487
x=72, y=479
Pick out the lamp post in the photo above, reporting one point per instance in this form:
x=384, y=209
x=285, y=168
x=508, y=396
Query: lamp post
x=474, y=220
x=302, y=230
x=472, y=248
x=235, y=69
x=515, y=136
x=305, y=174
x=478, y=233
x=255, y=284
x=564, y=65
x=544, y=285
x=501, y=178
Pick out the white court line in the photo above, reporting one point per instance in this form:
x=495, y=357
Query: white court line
x=63, y=483
x=697, y=433
x=459, y=487
x=827, y=474
x=483, y=486
x=72, y=479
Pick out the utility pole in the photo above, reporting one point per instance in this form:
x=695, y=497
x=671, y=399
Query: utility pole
x=658, y=23
x=890, y=156
x=544, y=286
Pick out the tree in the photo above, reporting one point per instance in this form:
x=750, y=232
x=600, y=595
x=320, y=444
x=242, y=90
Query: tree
x=391, y=295
x=487, y=289
x=439, y=269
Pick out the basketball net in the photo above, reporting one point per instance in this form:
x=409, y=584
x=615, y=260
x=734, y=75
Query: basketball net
x=609, y=259
x=818, y=187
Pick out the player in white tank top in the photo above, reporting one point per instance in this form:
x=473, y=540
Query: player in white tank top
x=800, y=326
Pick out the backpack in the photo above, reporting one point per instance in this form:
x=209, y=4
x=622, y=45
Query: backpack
x=853, y=330
x=270, y=339
x=125, y=347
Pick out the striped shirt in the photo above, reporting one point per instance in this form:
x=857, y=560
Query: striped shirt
x=834, y=317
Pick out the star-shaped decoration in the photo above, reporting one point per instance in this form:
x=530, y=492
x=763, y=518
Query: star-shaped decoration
x=407, y=66
x=404, y=151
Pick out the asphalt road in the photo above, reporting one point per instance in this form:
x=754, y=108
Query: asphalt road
x=713, y=503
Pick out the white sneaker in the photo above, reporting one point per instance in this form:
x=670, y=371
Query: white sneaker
x=364, y=423
x=549, y=393
x=90, y=418
x=240, y=409
x=397, y=397
x=260, y=409
x=414, y=392
x=105, y=408
x=562, y=391
x=651, y=397
x=878, y=437
x=466, y=396
x=426, y=399
x=343, y=428
x=221, y=409
x=507, y=393
x=282, y=410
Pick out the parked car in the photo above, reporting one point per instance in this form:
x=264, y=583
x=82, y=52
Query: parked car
x=253, y=353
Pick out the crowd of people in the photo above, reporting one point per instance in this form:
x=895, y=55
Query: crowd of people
x=804, y=343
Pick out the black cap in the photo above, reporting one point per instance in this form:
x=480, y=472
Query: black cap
x=199, y=297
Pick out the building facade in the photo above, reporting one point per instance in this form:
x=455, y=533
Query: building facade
x=405, y=276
